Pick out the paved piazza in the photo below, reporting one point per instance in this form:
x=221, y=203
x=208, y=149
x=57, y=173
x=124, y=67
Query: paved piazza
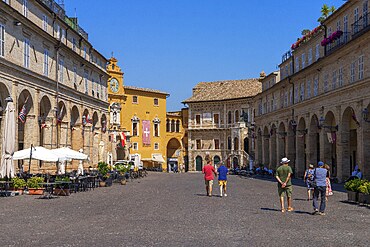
x=172, y=210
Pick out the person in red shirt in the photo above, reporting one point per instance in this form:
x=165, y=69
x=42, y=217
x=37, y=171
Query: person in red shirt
x=208, y=171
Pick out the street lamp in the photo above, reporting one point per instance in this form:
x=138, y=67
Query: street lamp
x=365, y=115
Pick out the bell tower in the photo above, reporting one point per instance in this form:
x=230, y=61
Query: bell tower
x=115, y=81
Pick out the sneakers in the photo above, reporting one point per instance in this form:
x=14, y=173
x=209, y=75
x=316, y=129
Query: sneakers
x=283, y=210
x=321, y=213
x=225, y=194
x=316, y=212
x=290, y=209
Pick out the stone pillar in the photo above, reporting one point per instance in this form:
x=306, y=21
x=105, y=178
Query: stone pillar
x=343, y=169
x=300, y=162
x=291, y=150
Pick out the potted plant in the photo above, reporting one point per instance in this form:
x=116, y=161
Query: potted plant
x=62, y=186
x=103, y=169
x=122, y=169
x=34, y=187
x=364, y=193
x=18, y=184
x=352, y=189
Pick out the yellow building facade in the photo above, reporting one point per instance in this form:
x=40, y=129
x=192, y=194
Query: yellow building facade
x=139, y=115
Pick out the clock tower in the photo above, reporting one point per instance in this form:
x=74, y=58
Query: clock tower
x=116, y=99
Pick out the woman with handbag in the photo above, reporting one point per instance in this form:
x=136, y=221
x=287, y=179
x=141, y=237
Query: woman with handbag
x=308, y=179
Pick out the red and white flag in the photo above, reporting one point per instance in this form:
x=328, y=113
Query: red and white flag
x=123, y=138
x=146, y=132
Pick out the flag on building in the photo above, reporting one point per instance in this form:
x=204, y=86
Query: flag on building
x=123, y=139
x=23, y=114
x=146, y=132
x=88, y=119
x=60, y=115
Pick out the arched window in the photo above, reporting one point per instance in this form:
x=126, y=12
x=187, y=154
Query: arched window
x=229, y=143
x=168, y=125
x=236, y=143
x=178, y=126
x=173, y=126
x=229, y=118
x=236, y=116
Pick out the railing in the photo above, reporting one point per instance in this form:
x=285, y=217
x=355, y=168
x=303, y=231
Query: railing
x=56, y=8
x=345, y=38
x=361, y=24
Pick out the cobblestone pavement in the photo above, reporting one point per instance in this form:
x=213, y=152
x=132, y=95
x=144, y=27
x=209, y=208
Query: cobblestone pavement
x=172, y=210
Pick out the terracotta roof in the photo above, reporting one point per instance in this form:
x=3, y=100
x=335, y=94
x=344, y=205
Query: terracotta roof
x=145, y=90
x=224, y=90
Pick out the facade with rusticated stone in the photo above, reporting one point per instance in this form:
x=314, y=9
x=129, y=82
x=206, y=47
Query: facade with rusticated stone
x=217, y=125
x=53, y=73
x=318, y=109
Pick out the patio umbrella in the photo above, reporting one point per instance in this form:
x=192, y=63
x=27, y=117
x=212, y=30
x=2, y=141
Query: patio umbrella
x=70, y=154
x=7, y=166
x=37, y=153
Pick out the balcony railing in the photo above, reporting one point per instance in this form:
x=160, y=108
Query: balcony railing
x=361, y=25
x=345, y=38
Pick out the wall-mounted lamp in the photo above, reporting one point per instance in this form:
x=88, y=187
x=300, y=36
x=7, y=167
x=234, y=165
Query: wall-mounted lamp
x=17, y=23
x=365, y=115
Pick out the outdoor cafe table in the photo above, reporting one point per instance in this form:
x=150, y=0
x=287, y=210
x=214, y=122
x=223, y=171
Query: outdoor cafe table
x=4, y=188
x=49, y=188
x=64, y=188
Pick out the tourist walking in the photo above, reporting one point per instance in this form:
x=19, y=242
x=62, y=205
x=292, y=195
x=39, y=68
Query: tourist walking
x=222, y=179
x=283, y=176
x=320, y=189
x=208, y=171
x=308, y=179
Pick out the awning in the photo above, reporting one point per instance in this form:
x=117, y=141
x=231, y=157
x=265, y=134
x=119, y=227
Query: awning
x=158, y=158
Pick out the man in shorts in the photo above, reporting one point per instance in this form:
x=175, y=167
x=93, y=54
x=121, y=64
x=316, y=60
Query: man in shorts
x=283, y=176
x=222, y=178
x=208, y=171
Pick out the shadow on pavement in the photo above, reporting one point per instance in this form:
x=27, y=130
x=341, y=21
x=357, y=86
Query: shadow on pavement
x=301, y=212
x=270, y=209
x=299, y=199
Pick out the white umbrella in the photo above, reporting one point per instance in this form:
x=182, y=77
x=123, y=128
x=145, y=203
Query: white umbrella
x=7, y=166
x=38, y=153
x=70, y=154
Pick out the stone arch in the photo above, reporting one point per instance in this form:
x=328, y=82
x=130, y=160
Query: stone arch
x=329, y=131
x=348, y=136
x=281, y=147
x=301, y=134
x=62, y=126
x=216, y=160
x=314, y=140
x=24, y=100
x=76, y=141
x=235, y=162
x=198, y=163
x=45, y=120
x=266, y=146
x=273, y=148
x=95, y=119
x=173, y=150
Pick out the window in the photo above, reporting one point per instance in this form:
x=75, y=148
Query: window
x=308, y=89
x=156, y=146
x=301, y=97
x=303, y=61
x=168, y=125
x=236, y=115
x=86, y=75
x=286, y=71
x=334, y=81
x=291, y=96
x=296, y=95
x=61, y=69
x=356, y=17
x=286, y=99
x=177, y=126
x=135, y=131
x=46, y=62
x=26, y=53
x=198, y=144
x=156, y=102
x=229, y=117
x=340, y=77
x=25, y=8
x=173, y=126
x=57, y=28
x=316, y=87
x=353, y=65
x=296, y=64
x=345, y=28
x=92, y=87
x=134, y=99
x=156, y=129
x=361, y=67
x=75, y=74
x=326, y=83
x=135, y=146
x=310, y=56
x=317, y=52
x=217, y=143
x=216, y=119
x=338, y=25
x=197, y=119
x=85, y=51
x=2, y=40
x=45, y=23
x=73, y=44
x=229, y=143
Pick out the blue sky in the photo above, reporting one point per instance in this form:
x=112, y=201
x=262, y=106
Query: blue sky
x=171, y=45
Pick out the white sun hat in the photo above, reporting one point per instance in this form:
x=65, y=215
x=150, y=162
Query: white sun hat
x=284, y=160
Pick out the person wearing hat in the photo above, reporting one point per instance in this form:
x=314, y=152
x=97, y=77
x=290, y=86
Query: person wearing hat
x=320, y=189
x=308, y=178
x=283, y=176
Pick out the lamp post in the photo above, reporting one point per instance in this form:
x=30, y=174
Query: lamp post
x=365, y=115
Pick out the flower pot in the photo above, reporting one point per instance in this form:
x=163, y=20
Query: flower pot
x=32, y=191
x=352, y=196
x=123, y=181
x=363, y=198
x=20, y=191
x=62, y=192
x=102, y=184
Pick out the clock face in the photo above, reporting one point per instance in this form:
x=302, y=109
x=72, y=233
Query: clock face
x=114, y=85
